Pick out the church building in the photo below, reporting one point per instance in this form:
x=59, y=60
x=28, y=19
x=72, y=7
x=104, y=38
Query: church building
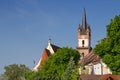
x=49, y=50
x=89, y=62
x=92, y=63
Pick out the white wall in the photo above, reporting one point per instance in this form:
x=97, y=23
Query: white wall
x=101, y=68
x=49, y=47
x=106, y=70
x=85, y=42
x=97, y=69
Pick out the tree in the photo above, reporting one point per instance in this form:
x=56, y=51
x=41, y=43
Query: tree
x=32, y=75
x=15, y=71
x=109, y=48
x=71, y=72
x=3, y=77
x=54, y=68
x=58, y=65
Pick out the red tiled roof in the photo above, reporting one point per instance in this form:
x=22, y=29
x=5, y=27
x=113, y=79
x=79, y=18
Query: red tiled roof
x=90, y=77
x=96, y=59
x=91, y=57
x=46, y=53
x=100, y=77
x=117, y=76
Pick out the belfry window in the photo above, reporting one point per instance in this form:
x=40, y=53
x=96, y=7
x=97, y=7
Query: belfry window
x=83, y=42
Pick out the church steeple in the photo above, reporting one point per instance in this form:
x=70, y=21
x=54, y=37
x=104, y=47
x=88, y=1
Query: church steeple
x=84, y=37
x=84, y=23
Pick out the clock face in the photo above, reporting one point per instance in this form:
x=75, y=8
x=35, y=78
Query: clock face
x=83, y=42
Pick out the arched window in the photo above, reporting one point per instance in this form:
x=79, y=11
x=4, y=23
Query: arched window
x=83, y=55
x=83, y=42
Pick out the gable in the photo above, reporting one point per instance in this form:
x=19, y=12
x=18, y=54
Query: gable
x=52, y=48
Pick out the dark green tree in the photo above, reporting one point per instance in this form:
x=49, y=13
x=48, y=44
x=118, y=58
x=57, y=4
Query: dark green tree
x=54, y=68
x=58, y=65
x=15, y=71
x=71, y=72
x=109, y=48
x=32, y=75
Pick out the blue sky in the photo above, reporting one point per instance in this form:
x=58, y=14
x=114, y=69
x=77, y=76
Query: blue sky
x=26, y=26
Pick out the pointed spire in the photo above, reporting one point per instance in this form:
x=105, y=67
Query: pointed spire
x=84, y=22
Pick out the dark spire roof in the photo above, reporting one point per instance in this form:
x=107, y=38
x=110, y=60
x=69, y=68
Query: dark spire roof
x=84, y=23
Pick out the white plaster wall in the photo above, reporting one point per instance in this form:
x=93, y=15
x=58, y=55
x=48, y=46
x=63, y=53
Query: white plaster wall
x=49, y=47
x=97, y=69
x=85, y=42
x=106, y=70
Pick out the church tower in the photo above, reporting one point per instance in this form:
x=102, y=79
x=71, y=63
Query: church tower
x=84, y=37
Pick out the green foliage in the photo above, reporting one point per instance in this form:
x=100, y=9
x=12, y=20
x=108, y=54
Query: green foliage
x=15, y=71
x=71, y=72
x=32, y=75
x=62, y=65
x=54, y=68
x=109, y=48
x=3, y=77
x=102, y=47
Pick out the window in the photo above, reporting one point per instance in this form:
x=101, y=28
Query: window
x=83, y=42
x=83, y=55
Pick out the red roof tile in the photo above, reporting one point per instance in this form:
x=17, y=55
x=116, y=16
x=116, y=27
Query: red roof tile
x=90, y=77
x=100, y=77
x=46, y=53
x=91, y=57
